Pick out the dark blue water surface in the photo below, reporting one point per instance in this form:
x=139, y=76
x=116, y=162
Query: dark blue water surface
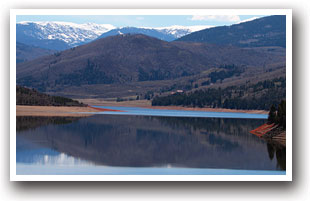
x=137, y=144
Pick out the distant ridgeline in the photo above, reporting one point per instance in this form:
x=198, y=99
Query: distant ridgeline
x=259, y=96
x=265, y=31
x=25, y=96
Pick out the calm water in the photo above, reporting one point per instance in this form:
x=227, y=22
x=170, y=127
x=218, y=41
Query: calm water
x=179, y=113
x=139, y=144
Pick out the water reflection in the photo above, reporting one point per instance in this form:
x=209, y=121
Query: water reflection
x=29, y=122
x=279, y=151
x=145, y=141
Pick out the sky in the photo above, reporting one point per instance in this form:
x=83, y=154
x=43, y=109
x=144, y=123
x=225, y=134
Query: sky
x=143, y=20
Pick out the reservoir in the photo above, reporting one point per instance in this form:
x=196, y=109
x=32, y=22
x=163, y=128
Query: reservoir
x=146, y=142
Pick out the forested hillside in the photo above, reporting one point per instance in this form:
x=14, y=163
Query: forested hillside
x=25, y=96
x=254, y=96
x=131, y=58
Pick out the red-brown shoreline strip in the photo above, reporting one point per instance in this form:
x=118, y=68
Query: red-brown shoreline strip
x=105, y=110
x=263, y=129
x=271, y=131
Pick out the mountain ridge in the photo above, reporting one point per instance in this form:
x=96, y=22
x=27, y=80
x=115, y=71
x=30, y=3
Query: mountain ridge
x=265, y=31
x=28, y=52
x=64, y=35
x=169, y=33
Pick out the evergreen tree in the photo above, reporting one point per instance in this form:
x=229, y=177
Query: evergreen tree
x=282, y=114
x=272, y=116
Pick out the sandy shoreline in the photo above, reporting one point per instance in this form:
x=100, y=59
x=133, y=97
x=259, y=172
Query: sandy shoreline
x=147, y=104
x=25, y=110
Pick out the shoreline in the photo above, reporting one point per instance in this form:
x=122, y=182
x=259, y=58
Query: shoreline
x=105, y=110
x=207, y=109
x=147, y=104
x=271, y=132
x=59, y=111
x=73, y=111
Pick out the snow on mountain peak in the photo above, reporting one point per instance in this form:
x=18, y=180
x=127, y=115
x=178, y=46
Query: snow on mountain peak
x=76, y=34
x=178, y=31
x=71, y=33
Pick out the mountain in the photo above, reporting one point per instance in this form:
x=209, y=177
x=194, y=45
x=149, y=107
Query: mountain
x=178, y=31
x=266, y=31
x=261, y=32
x=133, y=30
x=65, y=35
x=58, y=35
x=163, y=33
x=117, y=60
x=27, y=52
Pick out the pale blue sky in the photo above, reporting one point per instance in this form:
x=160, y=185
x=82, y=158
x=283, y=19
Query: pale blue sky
x=142, y=20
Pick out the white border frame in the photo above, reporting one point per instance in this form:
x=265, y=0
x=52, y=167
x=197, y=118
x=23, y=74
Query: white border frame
x=287, y=177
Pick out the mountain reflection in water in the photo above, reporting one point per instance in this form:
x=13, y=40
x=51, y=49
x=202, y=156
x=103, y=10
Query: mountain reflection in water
x=146, y=141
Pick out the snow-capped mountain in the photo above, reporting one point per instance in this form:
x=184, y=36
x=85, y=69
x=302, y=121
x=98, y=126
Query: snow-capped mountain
x=179, y=31
x=163, y=33
x=60, y=34
x=64, y=35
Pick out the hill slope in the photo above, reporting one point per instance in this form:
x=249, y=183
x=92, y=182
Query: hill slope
x=266, y=31
x=26, y=52
x=247, y=96
x=25, y=96
x=132, y=58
